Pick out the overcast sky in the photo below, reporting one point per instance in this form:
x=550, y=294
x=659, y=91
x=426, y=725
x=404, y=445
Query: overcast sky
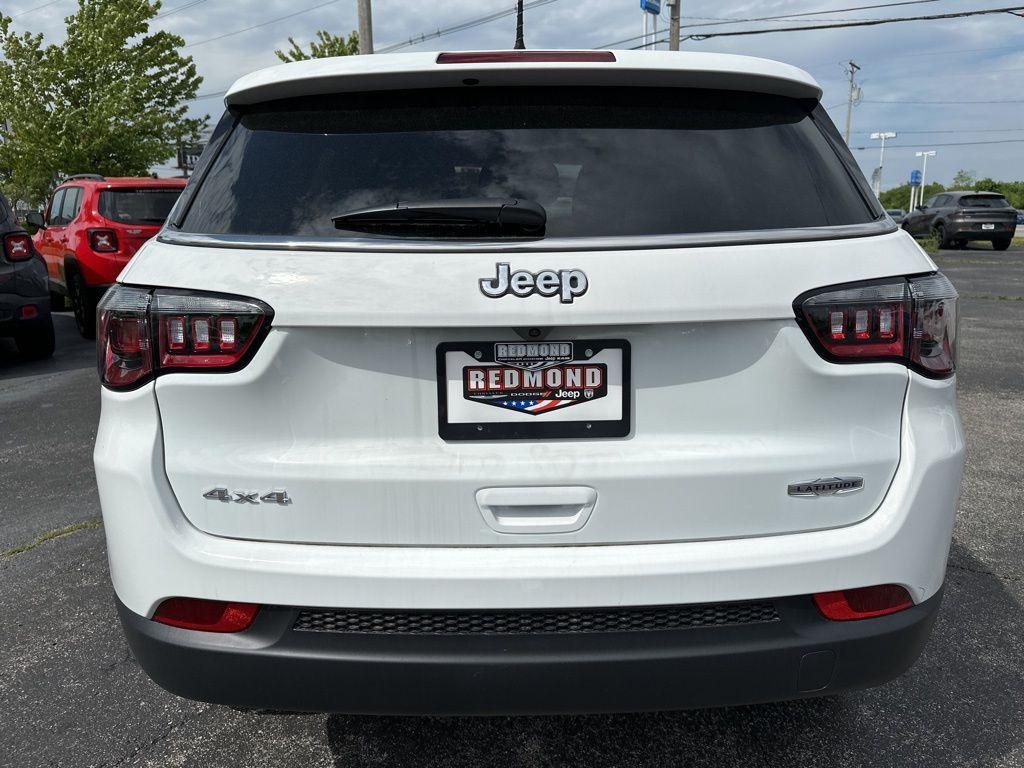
x=977, y=59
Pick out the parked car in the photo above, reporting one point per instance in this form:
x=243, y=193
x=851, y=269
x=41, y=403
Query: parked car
x=24, y=295
x=896, y=214
x=956, y=218
x=89, y=230
x=390, y=434
x=1020, y=218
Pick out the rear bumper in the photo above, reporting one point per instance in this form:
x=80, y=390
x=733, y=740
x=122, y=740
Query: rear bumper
x=155, y=553
x=11, y=307
x=973, y=230
x=270, y=665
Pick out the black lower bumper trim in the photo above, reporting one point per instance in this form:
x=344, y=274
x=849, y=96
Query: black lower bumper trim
x=272, y=666
x=12, y=323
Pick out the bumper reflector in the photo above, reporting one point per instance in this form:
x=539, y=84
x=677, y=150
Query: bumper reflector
x=863, y=603
x=205, y=615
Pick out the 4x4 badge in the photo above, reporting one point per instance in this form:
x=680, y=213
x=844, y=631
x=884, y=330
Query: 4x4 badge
x=827, y=486
x=248, y=497
x=567, y=284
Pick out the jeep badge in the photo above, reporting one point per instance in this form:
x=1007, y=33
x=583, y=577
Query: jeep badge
x=567, y=284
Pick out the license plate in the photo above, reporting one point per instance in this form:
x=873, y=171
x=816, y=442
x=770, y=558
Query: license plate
x=988, y=226
x=506, y=390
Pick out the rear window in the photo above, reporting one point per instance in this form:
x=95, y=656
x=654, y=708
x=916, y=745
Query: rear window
x=984, y=201
x=601, y=161
x=138, y=206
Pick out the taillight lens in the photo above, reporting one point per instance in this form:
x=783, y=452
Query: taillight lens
x=18, y=247
x=103, y=240
x=197, y=331
x=863, y=602
x=124, y=340
x=912, y=321
x=143, y=333
x=206, y=615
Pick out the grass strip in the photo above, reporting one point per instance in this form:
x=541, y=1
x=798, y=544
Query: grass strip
x=56, y=533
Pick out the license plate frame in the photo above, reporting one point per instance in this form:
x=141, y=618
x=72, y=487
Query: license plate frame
x=988, y=226
x=521, y=426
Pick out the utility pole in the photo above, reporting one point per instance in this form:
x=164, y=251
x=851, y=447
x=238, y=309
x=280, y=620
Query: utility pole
x=883, y=135
x=365, y=26
x=673, y=25
x=520, y=42
x=853, y=95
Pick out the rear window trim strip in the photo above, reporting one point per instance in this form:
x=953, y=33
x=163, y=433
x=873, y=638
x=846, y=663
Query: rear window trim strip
x=881, y=226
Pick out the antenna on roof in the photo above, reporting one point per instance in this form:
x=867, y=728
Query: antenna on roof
x=520, y=43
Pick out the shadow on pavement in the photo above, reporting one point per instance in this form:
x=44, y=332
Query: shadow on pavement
x=960, y=705
x=72, y=352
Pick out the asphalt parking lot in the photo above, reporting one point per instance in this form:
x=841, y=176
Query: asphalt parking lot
x=71, y=694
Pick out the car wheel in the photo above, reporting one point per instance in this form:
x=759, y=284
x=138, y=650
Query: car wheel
x=943, y=238
x=58, y=302
x=36, y=344
x=83, y=306
x=1002, y=244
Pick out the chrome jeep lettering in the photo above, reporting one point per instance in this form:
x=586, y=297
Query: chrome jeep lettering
x=567, y=284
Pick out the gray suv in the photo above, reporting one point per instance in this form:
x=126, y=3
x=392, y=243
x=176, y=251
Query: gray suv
x=957, y=217
x=24, y=292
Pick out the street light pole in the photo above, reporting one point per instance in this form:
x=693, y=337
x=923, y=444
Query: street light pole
x=883, y=135
x=924, y=169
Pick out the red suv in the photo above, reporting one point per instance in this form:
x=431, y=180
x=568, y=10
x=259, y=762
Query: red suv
x=89, y=230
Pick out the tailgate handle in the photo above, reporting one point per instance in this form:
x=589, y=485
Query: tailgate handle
x=537, y=509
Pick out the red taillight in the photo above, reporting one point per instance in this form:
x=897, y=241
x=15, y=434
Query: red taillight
x=143, y=333
x=28, y=311
x=863, y=603
x=502, y=57
x=906, y=320
x=18, y=247
x=103, y=240
x=206, y=615
x=210, y=332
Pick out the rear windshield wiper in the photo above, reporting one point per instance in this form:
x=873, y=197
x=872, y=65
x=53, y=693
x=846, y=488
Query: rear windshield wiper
x=460, y=217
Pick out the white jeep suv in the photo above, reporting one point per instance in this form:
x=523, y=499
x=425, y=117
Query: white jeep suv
x=533, y=381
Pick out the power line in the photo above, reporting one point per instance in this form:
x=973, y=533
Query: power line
x=175, y=9
x=957, y=101
x=954, y=130
x=825, y=13
x=462, y=25
x=209, y=95
x=948, y=144
x=33, y=10
x=848, y=24
x=928, y=53
x=721, y=21
x=262, y=24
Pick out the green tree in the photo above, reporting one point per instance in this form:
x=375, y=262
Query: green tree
x=110, y=99
x=964, y=179
x=325, y=45
x=1011, y=190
